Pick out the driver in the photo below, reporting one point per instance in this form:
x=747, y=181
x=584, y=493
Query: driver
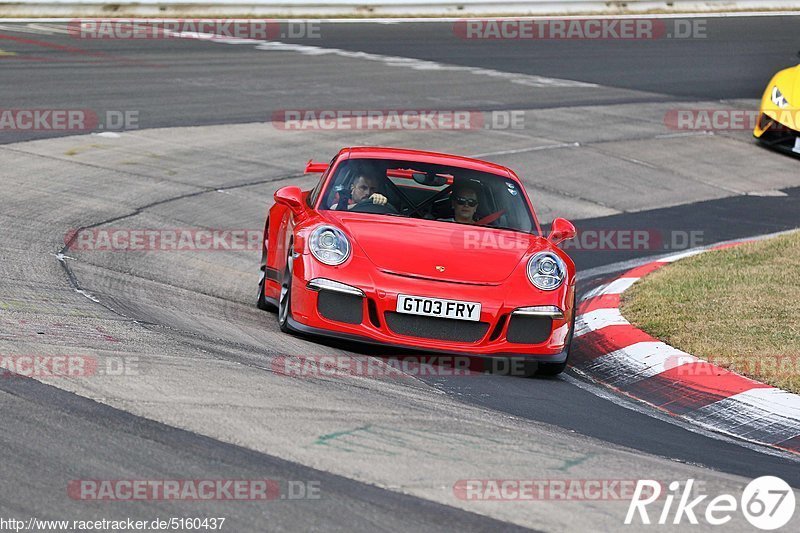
x=464, y=200
x=364, y=187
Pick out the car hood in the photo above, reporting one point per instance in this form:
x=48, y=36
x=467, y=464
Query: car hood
x=788, y=81
x=794, y=94
x=437, y=250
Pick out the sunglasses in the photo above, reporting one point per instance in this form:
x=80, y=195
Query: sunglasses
x=472, y=202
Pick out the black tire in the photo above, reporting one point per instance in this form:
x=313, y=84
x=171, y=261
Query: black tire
x=554, y=369
x=285, y=301
x=262, y=302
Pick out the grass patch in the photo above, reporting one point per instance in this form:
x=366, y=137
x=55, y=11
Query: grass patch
x=738, y=308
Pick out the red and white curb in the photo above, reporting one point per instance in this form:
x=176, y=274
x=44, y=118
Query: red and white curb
x=613, y=352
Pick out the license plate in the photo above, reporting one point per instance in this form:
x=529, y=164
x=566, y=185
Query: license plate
x=438, y=307
x=796, y=148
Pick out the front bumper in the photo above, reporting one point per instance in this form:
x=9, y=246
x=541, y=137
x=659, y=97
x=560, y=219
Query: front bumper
x=363, y=309
x=776, y=130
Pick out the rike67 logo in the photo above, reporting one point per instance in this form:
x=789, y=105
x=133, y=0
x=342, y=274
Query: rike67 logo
x=767, y=502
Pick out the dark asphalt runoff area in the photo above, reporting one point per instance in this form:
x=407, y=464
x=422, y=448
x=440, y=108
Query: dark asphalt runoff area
x=52, y=434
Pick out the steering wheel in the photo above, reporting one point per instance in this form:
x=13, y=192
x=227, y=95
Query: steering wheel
x=366, y=206
x=488, y=219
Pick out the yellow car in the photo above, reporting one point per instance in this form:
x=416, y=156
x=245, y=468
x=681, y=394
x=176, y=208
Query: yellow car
x=778, y=124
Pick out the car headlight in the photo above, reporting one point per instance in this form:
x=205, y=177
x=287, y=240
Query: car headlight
x=546, y=271
x=329, y=245
x=778, y=99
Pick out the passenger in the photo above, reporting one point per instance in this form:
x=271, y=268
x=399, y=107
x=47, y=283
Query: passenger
x=464, y=200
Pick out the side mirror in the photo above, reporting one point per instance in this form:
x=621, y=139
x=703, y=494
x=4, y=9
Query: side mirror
x=291, y=197
x=561, y=230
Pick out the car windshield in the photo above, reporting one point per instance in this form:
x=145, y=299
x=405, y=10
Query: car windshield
x=435, y=192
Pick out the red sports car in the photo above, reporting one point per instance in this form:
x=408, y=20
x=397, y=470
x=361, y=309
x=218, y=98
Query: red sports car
x=420, y=250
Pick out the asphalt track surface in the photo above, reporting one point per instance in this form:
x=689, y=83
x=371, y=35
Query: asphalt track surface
x=177, y=83
x=55, y=435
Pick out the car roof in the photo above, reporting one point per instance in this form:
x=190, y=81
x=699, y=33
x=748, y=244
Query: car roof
x=405, y=154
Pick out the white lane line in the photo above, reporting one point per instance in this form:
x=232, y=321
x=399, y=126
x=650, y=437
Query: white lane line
x=530, y=149
x=527, y=80
x=682, y=255
x=50, y=29
x=212, y=37
x=23, y=29
x=420, y=64
x=686, y=134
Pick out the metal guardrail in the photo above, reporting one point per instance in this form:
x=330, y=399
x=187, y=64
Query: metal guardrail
x=377, y=8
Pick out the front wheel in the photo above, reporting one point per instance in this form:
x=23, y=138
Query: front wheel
x=285, y=302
